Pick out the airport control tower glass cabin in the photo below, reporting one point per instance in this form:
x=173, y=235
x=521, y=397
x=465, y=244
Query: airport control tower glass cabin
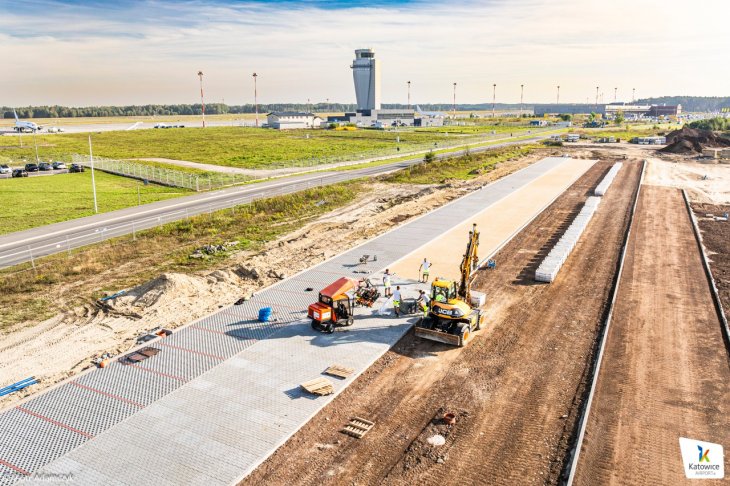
x=366, y=73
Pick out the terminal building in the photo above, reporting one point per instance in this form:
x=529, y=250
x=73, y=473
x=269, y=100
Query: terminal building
x=609, y=110
x=287, y=120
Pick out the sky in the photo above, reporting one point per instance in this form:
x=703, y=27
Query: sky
x=137, y=52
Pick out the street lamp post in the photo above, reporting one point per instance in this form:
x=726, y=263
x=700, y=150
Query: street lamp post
x=409, y=94
x=557, y=101
x=454, y=107
x=255, y=98
x=93, y=181
x=202, y=100
x=522, y=92
x=633, y=95
x=37, y=160
x=494, y=97
x=597, y=87
x=615, y=94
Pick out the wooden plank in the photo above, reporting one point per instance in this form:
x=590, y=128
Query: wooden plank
x=357, y=427
x=318, y=386
x=339, y=371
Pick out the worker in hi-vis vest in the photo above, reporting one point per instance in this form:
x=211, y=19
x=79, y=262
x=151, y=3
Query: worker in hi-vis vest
x=386, y=283
x=396, y=301
x=423, y=270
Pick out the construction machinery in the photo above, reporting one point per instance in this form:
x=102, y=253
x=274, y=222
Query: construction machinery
x=335, y=306
x=452, y=318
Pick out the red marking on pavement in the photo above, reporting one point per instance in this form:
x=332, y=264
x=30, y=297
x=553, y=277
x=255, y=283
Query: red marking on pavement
x=193, y=351
x=209, y=330
x=17, y=469
x=110, y=395
x=222, y=332
x=55, y=422
x=178, y=378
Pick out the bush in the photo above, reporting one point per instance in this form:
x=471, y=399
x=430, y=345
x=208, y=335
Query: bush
x=714, y=124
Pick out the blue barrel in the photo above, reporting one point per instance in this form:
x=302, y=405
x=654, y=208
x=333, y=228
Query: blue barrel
x=265, y=314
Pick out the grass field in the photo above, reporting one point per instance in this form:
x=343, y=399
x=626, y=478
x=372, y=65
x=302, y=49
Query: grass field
x=246, y=147
x=462, y=167
x=36, y=201
x=23, y=295
x=627, y=132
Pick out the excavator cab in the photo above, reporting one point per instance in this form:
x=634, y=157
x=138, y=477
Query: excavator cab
x=335, y=306
x=443, y=291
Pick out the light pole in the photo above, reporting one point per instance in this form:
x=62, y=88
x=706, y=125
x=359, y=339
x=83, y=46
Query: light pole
x=522, y=92
x=93, y=181
x=454, y=107
x=633, y=95
x=255, y=98
x=557, y=101
x=202, y=100
x=409, y=94
x=494, y=97
x=615, y=94
x=597, y=98
x=36, y=148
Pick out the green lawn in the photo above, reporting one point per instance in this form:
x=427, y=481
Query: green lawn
x=36, y=201
x=461, y=167
x=245, y=147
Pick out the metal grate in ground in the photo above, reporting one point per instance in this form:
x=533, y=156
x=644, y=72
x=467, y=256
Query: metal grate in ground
x=224, y=383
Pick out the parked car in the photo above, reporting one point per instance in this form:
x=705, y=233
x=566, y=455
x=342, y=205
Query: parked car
x=4, y=169
x=58, y=165
x=31, y=167
x=20, y=173
x=76, y=168
x=45, y=166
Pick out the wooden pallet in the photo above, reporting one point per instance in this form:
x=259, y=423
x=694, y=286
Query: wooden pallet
x=357, y=427
x=339, y=371
x=318, y=386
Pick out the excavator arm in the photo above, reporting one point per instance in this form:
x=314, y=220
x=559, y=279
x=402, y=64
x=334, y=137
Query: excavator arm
x=468, y=264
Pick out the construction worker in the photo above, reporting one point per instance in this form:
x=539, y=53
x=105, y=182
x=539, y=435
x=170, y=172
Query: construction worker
x=424, y=270
x=422, y=301
x=397, y=301
x=386, y=283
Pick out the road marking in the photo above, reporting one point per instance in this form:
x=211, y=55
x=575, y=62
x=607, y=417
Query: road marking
x=110, y=395
x=54, y=422
x=15, y=468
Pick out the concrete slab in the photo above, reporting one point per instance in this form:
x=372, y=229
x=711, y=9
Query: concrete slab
x=496, y=223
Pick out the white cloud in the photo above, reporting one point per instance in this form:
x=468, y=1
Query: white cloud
x=151, y=51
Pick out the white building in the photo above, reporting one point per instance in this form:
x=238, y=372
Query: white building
x=286, y=120
x=366, y=74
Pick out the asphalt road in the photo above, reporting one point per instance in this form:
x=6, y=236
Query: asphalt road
x=24, y=246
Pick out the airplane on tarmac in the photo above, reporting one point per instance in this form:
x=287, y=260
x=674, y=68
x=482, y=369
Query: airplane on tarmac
x=433, y=114
x=25, y=126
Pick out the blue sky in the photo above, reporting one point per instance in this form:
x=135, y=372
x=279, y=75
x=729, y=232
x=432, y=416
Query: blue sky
x=98, y=52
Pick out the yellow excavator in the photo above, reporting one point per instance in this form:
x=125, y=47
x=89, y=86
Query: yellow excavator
x=451, y=318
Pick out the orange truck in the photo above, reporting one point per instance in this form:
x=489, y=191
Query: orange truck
x=335, y=306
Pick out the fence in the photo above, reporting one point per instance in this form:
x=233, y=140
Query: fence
x=161, y=175
x=128, y=229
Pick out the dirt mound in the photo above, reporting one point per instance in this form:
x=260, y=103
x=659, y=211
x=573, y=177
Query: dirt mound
x=691, y=140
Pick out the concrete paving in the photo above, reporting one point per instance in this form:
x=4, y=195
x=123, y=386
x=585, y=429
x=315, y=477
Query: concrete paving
x=505, y=217
x=223, y=393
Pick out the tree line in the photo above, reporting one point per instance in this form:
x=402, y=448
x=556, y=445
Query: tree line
x=689, y=103
x=57, y=111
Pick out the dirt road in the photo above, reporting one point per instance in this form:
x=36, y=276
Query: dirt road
x=515, y=389
x=665, y=371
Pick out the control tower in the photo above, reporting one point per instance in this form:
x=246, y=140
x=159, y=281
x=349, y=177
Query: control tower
x=366, y=73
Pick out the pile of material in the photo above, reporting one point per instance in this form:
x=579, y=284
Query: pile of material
x=601, y=188
x=550, y=266
x=692, y=140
